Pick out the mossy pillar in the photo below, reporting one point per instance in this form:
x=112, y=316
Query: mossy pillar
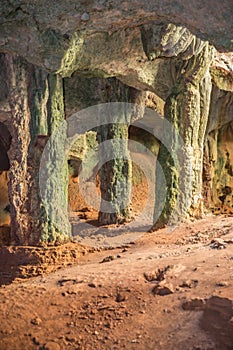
x=116, y=173
x=186, y=109
x=54, y=169
x=37, y=112
x=38, y=101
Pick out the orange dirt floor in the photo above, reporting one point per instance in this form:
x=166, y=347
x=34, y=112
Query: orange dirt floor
x=165, y=290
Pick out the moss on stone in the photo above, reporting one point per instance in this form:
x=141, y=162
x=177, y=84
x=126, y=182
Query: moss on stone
x=187, y=110
x=56, y=109
x=69, y=61
x=39, y=94
x=55, y=226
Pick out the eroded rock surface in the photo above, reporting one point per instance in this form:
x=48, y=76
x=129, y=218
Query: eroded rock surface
x=42, y=31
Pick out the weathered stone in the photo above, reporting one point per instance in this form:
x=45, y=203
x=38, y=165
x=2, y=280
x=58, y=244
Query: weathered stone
x=163, y=290
x=116, y=168
x=54, y=170
x=187, y=111
x=50, y=27
x=34, y=113
x=222, y=71
x=19, y=172
x=51, y=345
x=218, y=153
x=36, y=321
x=85, y=17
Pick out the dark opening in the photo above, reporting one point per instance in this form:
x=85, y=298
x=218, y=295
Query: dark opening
x=5, y=141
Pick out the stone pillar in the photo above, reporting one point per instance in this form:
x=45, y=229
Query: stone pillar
x=187, y=110
x=116, y=174
x=20, y=176
x=54, y=169
x=38, y=213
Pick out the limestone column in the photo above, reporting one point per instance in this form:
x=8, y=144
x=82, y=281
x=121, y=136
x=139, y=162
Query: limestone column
x=38, y=213
x=116, y=174
x=55, y=225
x=187, y=110
x=20, y=177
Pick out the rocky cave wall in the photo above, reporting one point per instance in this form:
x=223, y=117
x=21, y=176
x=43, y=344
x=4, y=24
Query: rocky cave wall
x=131, y=63
x=218, y=156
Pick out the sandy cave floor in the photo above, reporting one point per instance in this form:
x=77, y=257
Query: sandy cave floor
x=163, y=291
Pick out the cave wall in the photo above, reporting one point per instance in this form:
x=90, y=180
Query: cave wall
x=218, y=156
x=222, y=187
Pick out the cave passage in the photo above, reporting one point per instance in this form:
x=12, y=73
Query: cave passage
x=5, y=141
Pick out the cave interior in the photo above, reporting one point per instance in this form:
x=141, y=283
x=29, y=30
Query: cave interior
x=161, y=71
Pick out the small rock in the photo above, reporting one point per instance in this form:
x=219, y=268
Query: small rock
x=109, y=325
x=222, y=284
x=36, y=321
x=35, y=341
x=107, y=259
x=71, y=339
x=92, y=285
x=124, y=250
x=218, y=243
x=51, y=346
x=151, y=276
x=166, y=311
x=163, y=290
x=85, y=17
x=120, y=297
x=189, y=284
